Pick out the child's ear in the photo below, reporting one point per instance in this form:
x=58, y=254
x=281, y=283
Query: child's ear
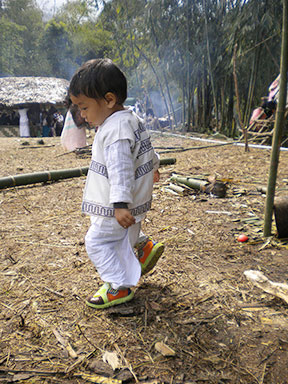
x=111, y=99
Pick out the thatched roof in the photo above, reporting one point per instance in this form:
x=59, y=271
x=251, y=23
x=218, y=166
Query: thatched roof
x=24, y=91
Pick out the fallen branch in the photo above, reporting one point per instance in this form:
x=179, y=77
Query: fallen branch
x=37, y=146
x=199, y=147
x=262, y=282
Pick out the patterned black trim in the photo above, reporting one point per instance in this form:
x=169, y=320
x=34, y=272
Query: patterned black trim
x=99, y=210
x=144, y=169
x=141, y=127
x=99, y=168
x=137, y=133
x=141, y=208
x=145, y=146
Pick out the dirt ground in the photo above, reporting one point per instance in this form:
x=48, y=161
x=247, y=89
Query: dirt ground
x=197, y=301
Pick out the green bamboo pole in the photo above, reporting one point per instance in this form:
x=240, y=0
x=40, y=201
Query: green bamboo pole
x=190, y=182
x=278, y=127
x=167, y=161
x=42, y=177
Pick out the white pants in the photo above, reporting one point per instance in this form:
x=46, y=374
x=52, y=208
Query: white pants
x=110, y=248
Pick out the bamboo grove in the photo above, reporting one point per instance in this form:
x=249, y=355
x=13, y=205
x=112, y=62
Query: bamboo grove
x=181, y=53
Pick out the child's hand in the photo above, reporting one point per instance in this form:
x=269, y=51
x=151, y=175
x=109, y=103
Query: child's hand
x=124, y=217
x=156, y=176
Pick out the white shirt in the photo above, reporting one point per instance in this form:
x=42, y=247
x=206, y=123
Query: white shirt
x=121, y=169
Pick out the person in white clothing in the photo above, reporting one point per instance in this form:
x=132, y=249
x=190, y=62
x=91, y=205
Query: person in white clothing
x=118, y=189
x=24, y=130
x=73, y=135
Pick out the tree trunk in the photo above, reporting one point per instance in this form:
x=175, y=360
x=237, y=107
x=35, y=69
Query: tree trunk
x=170, y=100
x=183, y=106
x=188, y=65
x=158, y=81
x=244, y=130
x=210, y=65
x=278, y=127
x=204, y=94
x=252, y=82
x=165, y=78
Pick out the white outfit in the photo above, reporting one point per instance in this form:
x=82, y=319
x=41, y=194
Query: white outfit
x=24, y=130
x=121, y=170
x=72, y=137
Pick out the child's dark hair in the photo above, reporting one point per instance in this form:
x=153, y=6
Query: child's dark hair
x=97, y=77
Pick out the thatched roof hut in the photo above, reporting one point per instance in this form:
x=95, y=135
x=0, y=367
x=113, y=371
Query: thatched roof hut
x=16, y=92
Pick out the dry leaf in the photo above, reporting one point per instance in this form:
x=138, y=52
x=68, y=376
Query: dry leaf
x=164, y=349
x=155, y=306
x=112, y=359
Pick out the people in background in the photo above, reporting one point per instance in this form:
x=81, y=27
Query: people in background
x=34, y=120
x=44, y=124
x=58, y=123
x=151, y=121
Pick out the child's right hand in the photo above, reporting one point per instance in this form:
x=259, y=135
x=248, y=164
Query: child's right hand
x=124, y=217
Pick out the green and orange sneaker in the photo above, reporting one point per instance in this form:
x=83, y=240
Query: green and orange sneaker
x=149, y=254
x=106, y=297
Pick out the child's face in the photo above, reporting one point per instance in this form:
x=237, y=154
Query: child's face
x=95, y=112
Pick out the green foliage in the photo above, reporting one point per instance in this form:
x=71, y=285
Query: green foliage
x=56, y=46
x=21, y=25
x=11, y=47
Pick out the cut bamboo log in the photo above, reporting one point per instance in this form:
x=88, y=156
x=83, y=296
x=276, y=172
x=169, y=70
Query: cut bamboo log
x=281, y=216
x=167, y=161
x=43, y=177
x=190, y=182
x=216, y=188
x=176, y=188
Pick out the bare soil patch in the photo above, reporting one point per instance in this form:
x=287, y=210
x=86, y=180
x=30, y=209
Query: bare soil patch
x=196, y=300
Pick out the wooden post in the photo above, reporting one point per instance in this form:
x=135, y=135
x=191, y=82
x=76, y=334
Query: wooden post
x=281, y=216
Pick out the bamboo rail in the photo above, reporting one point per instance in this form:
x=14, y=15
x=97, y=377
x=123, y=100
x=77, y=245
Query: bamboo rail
x=42, y=177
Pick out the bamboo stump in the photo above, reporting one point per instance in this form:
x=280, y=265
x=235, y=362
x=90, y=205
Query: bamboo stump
x=281, y=216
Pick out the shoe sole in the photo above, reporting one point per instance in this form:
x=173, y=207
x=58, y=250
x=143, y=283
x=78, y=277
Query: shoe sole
x=152, y=259
x=112, y=303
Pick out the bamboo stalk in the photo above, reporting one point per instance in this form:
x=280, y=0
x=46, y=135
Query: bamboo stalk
x=261, y=134
x=278, y=127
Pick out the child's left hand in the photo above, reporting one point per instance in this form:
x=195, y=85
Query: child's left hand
x=124, y=217
x=156, y=176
